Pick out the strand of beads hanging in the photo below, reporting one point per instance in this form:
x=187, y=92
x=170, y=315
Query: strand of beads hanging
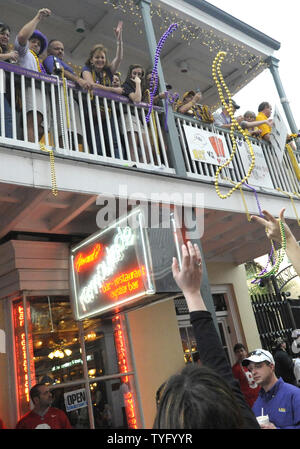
x=154, y=75
x=39, y=65
x=220, y=83
x=279, y=255
x=52, y=168
x=169, y=99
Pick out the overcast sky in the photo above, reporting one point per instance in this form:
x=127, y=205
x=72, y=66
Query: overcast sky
x=281, y=21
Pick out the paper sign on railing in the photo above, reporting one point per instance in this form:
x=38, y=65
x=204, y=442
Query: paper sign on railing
x=204, y=146
x=278, y=134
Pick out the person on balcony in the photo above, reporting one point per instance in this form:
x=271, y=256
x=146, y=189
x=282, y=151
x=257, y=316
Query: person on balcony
x=116, y=81
x=133, y=89
x=191, y=105
x=223, y=118
x=99, y=73
x=30, y=43
x=11, y=56
x=251, y=125
x=264, y=113
x=54, y=64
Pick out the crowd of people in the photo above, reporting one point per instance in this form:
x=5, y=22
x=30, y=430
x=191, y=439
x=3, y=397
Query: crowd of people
x=33, y=51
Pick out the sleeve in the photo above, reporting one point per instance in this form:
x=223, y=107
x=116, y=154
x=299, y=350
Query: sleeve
x=49, y=64
x=218, y=120
x=212, y=354
x=128, y=89
x=22, y=50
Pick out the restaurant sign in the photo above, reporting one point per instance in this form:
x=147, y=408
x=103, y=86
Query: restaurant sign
x=111, y=268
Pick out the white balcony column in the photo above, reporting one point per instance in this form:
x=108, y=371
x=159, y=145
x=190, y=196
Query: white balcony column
x=273, y=66
x=174, y=149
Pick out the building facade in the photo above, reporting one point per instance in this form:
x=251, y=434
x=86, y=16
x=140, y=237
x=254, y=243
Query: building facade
x=104, y=369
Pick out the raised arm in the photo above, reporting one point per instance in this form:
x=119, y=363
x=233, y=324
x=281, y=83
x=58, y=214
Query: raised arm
x=115, y=64
x=273, y=233
x=26, y=32
x=209, y=346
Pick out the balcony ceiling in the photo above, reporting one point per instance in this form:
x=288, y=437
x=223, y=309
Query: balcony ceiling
x=228, y=236
x=196, y=48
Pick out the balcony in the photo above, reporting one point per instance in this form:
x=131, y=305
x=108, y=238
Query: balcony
x=91, y=159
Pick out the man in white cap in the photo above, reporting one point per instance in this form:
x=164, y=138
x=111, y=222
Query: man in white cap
x=277, y=399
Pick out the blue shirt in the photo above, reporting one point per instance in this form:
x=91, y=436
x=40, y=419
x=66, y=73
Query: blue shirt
x=49, y=64
x=281, y=403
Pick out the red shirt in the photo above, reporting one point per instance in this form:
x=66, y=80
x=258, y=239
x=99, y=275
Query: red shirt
x=248, y=386
x=53, y=419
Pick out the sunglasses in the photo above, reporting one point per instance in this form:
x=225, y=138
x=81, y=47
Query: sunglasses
x=257, y=352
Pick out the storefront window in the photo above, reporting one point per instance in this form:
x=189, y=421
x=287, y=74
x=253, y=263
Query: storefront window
x=111, y=407
x=189, y=344
x=100, y=347
x=56, y=348
x=48, y=350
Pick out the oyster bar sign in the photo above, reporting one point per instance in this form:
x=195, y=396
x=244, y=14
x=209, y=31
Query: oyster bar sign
x=111, y=268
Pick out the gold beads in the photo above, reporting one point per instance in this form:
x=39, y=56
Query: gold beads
x=220, y=83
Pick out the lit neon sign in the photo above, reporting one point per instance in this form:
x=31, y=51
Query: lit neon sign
x=123, y=368
x=81, y=261
x=111, y=269
x=21, y=356
x=114, y=254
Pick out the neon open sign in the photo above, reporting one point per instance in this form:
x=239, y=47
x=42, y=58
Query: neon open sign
x=111, y=268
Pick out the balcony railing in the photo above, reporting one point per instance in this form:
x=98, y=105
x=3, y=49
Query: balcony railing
x=281, y=176
x=109, y=128
x=77, y=123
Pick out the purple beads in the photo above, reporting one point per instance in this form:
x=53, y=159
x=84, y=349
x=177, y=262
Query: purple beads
x=154, y=76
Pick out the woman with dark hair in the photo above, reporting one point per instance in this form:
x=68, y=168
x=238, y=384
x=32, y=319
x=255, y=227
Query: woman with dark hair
x=133, y=89
x=207, y=396
x=99, y=73
x=6, y=56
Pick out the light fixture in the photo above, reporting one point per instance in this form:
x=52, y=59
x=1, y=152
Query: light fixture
x=80, y=26
x=59, y=353
x=184, y=67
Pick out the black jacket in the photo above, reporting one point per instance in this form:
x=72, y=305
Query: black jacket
x=284, y=366
x=212, y=355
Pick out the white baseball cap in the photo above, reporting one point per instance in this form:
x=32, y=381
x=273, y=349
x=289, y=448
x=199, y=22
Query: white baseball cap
x=258, y=356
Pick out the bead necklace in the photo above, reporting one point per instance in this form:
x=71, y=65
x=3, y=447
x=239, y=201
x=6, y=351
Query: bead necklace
x=39, y=65
x=279, y=255
x=217, y=75
x=154, y=75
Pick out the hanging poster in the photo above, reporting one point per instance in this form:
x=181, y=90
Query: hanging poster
x=278, y=134
x=205, y=146
x=260, y=175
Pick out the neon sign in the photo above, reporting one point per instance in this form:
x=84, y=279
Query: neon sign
x=114, y=254
x=81, y=261
x=21, y=350
x=111, y=269
x=123, y=368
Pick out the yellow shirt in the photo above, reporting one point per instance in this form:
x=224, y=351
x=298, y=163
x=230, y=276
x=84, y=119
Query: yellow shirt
x=265, y=129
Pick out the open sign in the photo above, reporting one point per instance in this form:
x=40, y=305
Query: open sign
x=75, y=400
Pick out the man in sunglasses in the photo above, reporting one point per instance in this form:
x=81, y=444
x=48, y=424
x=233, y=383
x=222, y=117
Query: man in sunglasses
x=277, y=399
